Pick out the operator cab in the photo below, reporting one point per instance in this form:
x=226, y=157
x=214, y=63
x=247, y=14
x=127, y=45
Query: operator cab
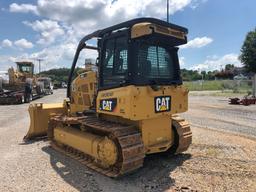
x=139, y=52
x=25, y=67
x=145, y=54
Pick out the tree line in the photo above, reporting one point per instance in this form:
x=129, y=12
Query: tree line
x=61, y=74
x=229, y=72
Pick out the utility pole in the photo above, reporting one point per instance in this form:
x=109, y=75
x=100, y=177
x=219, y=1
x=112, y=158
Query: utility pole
x=39, y=64
x=167, y=6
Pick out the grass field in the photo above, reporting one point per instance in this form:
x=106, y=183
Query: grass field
x=235, y=86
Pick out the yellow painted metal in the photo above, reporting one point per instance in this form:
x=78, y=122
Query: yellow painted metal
x=107, y=151
x=157, y=134
x=101, y=148
x=39, y=117
x=137, y=102
x=18, y=77
x=83, y=91
x=143, y=29
x=136, y=105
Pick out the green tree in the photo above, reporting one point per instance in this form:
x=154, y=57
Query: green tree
x=229, y=67
x=203, y=73
x=60, y=75
x=248, y=55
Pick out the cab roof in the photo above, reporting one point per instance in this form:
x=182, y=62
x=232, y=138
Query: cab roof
x=129, y=24
x=28, y=63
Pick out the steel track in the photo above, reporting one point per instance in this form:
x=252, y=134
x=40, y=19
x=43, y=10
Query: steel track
x=127, y=138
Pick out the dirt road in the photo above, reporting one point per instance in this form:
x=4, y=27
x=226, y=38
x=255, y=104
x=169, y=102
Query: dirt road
x=215, y=113
x=216, y=161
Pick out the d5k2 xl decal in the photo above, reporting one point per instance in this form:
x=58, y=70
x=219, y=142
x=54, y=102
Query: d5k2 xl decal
x=108, y=104
x=162, y=104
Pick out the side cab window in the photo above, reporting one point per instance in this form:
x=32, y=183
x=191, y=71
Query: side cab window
x=115, y=62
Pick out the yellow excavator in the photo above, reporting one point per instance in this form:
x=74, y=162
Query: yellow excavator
x=112, y=118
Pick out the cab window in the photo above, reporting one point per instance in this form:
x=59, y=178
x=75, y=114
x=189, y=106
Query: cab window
x=115, y=63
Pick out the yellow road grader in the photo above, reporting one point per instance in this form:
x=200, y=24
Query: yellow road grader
x=112, y=118
x=23, y=85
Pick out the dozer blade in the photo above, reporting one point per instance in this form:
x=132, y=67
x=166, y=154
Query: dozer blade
x=39, y=117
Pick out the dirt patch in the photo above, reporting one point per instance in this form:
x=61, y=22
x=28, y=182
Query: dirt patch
x=218, y=163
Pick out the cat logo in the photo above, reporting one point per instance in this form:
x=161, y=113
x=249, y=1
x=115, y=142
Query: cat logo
x=108, y=104
x=162, y=104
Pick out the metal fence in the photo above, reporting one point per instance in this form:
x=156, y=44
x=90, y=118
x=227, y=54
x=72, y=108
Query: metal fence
x=234, y=85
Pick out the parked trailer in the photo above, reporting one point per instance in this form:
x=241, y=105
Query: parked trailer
x=12, y=97
x=23, y=95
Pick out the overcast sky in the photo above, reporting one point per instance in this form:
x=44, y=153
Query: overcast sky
x=51, y=29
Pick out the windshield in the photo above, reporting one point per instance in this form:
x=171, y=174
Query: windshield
x=156, y=62
x=25, y=68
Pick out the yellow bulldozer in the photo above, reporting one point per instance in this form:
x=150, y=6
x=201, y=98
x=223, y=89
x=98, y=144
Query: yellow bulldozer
x=126, y=109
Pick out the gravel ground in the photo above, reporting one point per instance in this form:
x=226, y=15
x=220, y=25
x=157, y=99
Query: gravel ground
x=218, y=114
x=216, y=161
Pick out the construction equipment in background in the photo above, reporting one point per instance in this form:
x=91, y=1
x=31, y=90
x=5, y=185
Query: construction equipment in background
x=48, y=86
x=246, y=100
x=22, y=86
x=128, y=109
